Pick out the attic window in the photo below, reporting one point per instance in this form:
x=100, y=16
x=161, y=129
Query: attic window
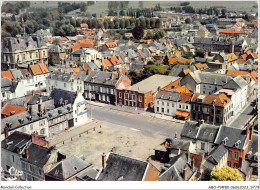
x=75, y=168
x=225, y=140
x=211, y=134
x=237, y=143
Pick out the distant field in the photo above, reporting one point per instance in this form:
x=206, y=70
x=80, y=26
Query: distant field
x=101, y=6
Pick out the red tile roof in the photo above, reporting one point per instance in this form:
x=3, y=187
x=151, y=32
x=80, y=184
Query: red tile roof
x=186, y=71
x=254, y=55
x=201, y=66
x=7, y=74
x=44, y=68
x=114, y=60
x=254, y=75
x=86, y=67
x=184, y=97
x=238, y=24
x=77, y=69
x=231, y=57
x=231, y=31
x=106, y=63
x=111, y=44
x=220, y=100
x=182, y=89
x=173, y=60
x=241, y=73
x=8, y=108
x=36, y=69
x=85, y=43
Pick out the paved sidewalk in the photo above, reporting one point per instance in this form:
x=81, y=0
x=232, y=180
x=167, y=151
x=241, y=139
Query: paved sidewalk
x=133, y=110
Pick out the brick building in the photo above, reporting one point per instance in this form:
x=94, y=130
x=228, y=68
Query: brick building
x=141, y=95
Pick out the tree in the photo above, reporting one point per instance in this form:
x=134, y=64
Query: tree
x=223, y=12
x=127, y=23
x=188, y=55
x=187, y=20
x=138, y=32
x=111, y=24
x=152, y=23
x=122, y=23
x=158, y=23
x=206, y=176
x=226, y=174
x=149, y=35
x=106, y=24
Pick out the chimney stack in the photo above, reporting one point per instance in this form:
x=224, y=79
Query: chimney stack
x=193, y=163
x=27, y=152
x=103, y=160
x=6, y=129
x=251, y=133
x=185, y=176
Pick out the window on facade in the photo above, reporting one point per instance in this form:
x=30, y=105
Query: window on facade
x=187, y=107
x=31, y=168
x=179, y=106
x=120, y=94
x=229, y=164
x=230, y=154
x=202, y=146
x=173, y=105
x=126, y=96
x=168, y=104
x=133, y=96
x=23, y=165
x=162, y=109
x=162, y=103
x=235, y=165
x=140, y=98
x=158, y=102
x=13, y=158
x=168, y=111
x=236, y=155
x=64, y=84
x=157, y=109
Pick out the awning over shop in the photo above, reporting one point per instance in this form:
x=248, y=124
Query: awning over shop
x=182, y=113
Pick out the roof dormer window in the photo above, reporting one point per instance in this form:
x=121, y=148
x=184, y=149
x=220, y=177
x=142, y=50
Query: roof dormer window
x=225, y=141
x=237, y=143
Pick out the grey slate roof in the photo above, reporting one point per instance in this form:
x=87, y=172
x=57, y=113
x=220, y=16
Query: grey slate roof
x=19, y=140
x=81, y=75
x=38, y=155
x=21, y=101
x=235, y=83
x=176, y=70
x=36, y=99
x=65, y=77
x=102, y=77
x=233, y=135
x=17, y=74
x=208, y=78
x=207, y=133
x=7, y=85
x=55, y=49
x=152, y=83
x=57, y=112
x=120, y=166
x=168, y=95
x=19, y=120
x=190, y=129
x=175, y=171
x=62, y=96
x=68, y=168
x=180, y=144
x=218, y=153
x=12, y=44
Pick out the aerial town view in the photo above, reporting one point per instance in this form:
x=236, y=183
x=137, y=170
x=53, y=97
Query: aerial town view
x=129, y=91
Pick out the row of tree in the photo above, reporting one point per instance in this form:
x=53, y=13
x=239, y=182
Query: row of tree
x=209, y=11
x=131, y=23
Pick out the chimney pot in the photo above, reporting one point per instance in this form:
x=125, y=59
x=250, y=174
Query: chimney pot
x=103, y=160
x=185, y=176
x=27, y=152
